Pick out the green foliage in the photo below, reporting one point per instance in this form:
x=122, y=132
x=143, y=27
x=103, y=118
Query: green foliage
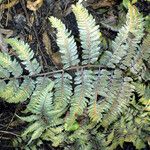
x=15, y=90
x=89, y=34
x=96, y=101
x=63, y=90
x=67, y=46
x=9, y=65
x=126, y=43
x=25, y=54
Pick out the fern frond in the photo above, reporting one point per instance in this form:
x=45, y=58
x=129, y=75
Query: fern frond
x=29, y=118
x=31, y=128
x=81, y=139
x=2, y=86
x=41, y=107
x=4, y=73
x=120, y=102
x=127, y=60
x=41, y=102
x=135, y=24
x=11, y=65
x=23, y=92
x=37, y=133
x=139, y=88
x=94, y=114
x=82, y=92
x=66, y=43
x=146, y=49
x=109, y=84
x=40, y=96
x=37, y=127
x=142, y=55
x=104, y=59
x=131, y=127
x=55, y=135
x=63, y=90
x=144, y=92
x=114, y=93
x=25, y=54
x=89, y=34
x=100, y=89
x=129, y=36
x=137, y=64
x=7, y=90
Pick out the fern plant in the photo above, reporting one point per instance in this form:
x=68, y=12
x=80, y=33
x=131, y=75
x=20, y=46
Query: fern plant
x=91, y=99
x=15, y=91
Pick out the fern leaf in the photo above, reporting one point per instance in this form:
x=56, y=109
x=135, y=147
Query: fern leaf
x=120, y=102
x=4, y=73
x=32, y=128
x=100, y=89
x=94, y=114
x=89, y=34
x=139, y=88
x=146, y=49
x=127, y=60
x=109, y=84
x=11, y=65
x=137, y=64
x=95, y=98
x=55, y=135
x=41, y=102
x=128, y=37
x=135, y=24
x=63, y=90
x=7, y=90
x=2, y=86
x=66, y=43
x=82, y=92
x=41, y=95
x=42, y=110
x=23, y=92
x=37, y=128
x=25, y=54
x=81, y=139
x=29, y=118
x=142, y=55
x=36, y=134
x=104, y=59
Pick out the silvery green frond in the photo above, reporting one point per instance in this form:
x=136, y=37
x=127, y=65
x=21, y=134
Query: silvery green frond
x=25, y=54
x=89, y=34
x=66, y=43
x=11, y=65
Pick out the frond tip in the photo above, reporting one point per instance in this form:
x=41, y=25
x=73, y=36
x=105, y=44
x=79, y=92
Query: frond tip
x=89, y=34
x=66, y=43
x=126, y=43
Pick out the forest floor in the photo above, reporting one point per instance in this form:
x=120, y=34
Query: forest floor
x=29, y=21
